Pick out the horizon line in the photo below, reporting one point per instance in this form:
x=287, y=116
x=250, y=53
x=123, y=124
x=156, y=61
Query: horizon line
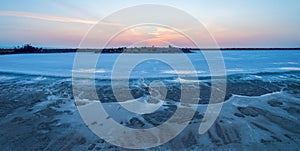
x=191, y=48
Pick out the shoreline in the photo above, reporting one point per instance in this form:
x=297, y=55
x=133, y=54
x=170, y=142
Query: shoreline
x=5, y=51
x=37, y=110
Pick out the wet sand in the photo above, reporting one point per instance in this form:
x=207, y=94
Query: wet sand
x=260, y=111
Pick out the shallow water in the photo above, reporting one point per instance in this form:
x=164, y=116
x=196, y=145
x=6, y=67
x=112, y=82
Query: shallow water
x=61, y=64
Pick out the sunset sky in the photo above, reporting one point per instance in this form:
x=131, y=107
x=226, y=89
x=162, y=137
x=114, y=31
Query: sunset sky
x=232, y=23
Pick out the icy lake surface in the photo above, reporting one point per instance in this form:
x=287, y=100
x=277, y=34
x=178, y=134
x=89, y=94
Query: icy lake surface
x=236, y=62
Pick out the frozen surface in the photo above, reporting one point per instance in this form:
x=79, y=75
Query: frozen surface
x=61, y=64
x=261, y=109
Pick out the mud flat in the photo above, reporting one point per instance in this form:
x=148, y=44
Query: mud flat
x=259, y=111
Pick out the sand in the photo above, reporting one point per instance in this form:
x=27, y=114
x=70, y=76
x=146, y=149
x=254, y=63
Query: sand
x=39, y=113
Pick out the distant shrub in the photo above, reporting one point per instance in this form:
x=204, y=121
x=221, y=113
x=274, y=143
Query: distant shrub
x=27, y=48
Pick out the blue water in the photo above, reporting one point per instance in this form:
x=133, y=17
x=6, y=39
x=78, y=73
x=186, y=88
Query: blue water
x=236, y=62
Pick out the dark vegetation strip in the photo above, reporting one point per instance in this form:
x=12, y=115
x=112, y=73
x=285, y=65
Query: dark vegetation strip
x=28, y=48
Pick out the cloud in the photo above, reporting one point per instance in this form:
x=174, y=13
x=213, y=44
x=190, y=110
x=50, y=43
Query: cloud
x=47, y=17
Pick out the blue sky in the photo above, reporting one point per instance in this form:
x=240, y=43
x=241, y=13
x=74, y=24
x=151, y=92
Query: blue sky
x=233, y=23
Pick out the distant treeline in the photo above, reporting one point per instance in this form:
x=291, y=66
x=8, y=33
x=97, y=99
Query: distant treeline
x=31, y=49
x=28, y=48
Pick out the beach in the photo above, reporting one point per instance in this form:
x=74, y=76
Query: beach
x=260, y=109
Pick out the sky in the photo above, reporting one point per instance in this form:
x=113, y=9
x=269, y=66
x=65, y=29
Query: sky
x=231, y=23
